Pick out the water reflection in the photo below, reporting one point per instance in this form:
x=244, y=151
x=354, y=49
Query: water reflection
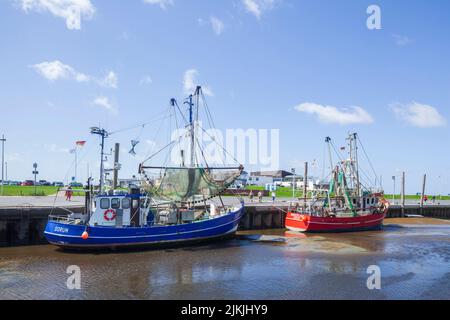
x=273, y=264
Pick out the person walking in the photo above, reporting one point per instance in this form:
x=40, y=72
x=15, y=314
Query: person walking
x=250, y=195
x=69, y=193
x=273, y=196
x=259, y=196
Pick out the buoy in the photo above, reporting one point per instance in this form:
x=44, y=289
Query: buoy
x=85, y=235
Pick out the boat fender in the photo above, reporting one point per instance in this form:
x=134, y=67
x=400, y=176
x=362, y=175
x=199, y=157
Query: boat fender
x=109, y=217
x=85, y=235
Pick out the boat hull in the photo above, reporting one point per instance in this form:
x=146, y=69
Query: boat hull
x=70, y=236
x=305, y=223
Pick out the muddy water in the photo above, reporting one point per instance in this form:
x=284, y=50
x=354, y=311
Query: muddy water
x=413, y=255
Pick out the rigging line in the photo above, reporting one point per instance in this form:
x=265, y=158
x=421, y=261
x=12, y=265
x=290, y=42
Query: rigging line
x=221, y=146
x=202, y=152
x=179, y=110
x=368, y=159
x=207, y=108
x=323, y=160
x=365, y=174
x=335, y=151
x=153, y=155
x=157, y=134
x=165, y=147
x=158, y=118
x=213, y=126
x=208, y=115
x=174, y=103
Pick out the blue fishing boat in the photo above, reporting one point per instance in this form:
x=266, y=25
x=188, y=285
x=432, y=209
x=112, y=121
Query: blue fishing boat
x=173, y=205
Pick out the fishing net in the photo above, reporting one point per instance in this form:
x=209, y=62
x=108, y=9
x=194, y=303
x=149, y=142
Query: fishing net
x=190, y=184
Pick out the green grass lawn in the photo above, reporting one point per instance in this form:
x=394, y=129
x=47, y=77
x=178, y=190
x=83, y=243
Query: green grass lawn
x=29, y=190
x=281, y=192
x=416, y=197
x=285, y=192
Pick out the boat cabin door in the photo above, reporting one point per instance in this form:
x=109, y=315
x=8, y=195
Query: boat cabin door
x=126, y=211
x=135, y=212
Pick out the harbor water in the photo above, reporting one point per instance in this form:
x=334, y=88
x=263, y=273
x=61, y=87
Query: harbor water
x=413, y=256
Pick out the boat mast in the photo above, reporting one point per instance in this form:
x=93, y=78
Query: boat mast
x=328, y=142
x=190, y=103
x=351, y=167
x=103, y=134
x=358, y=186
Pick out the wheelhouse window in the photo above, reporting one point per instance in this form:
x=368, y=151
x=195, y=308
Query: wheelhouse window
x=104, y=203
x=126, y=203
x=115, y=203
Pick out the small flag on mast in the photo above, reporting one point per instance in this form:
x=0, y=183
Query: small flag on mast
x=80, y=143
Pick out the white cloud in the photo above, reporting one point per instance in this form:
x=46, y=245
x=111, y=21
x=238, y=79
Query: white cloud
x=111, y=80
x=330, y=114
x=257, y=7
x=402, y=40
x=146, y=81
x=162, y=3
x=190, y=83
x=104, y=102
x=217, y=25
x=419, y=115
x=70, y=10
x=56, y=70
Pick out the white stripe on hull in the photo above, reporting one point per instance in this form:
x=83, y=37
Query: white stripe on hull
x=337, y=223
x=147, y=236
x=137, y=244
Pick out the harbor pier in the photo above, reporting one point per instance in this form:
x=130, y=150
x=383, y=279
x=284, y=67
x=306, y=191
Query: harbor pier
x=25, y=224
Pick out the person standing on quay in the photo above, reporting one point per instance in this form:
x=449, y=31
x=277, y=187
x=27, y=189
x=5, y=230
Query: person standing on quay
x=69, y=193
x=250, y=195
x=273, y=196
x=260, y=196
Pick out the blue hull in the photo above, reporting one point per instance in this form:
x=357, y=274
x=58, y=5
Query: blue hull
x=69, y=236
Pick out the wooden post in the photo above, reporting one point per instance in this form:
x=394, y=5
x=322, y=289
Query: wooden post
x=305, y=183
x=403, y=194
x=423, y=192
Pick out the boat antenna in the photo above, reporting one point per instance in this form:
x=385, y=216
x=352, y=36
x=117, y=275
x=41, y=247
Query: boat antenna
x=103, y=134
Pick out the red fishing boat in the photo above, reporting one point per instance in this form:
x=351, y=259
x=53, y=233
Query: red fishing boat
x=347, y=205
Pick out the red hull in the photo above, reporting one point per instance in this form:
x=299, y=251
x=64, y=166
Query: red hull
x=305, y=223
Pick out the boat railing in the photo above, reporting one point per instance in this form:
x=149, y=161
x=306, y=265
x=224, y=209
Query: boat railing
x=64, y=219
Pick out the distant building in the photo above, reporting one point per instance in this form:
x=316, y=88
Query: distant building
x=262, y=178
x=126, y=183
x=241, y=182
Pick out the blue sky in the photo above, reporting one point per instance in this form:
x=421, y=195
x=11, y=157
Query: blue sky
x=309, y=68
